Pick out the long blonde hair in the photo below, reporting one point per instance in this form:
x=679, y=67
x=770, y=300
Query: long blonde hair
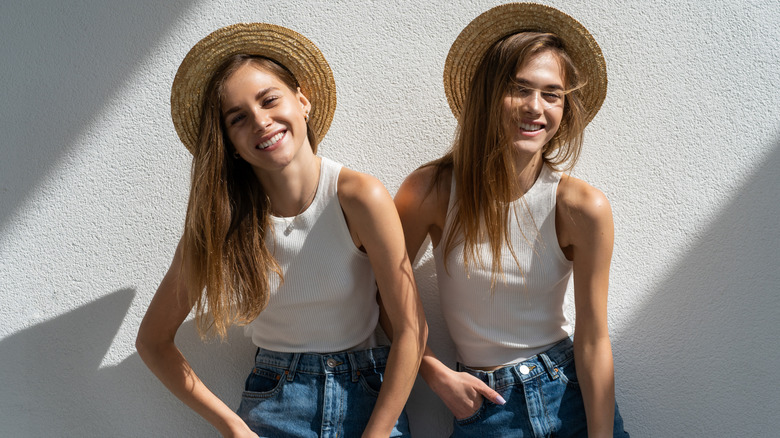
x=481, y=158
x=225, y=255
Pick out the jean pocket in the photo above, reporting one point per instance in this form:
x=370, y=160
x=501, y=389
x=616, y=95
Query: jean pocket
x=371, y=380
x=473, y=417
x=262, y=382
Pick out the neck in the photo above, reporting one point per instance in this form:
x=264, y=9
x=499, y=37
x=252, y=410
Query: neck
x=527, y=170
x=293, y=188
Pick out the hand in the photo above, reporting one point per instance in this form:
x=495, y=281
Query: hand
x=463, y=393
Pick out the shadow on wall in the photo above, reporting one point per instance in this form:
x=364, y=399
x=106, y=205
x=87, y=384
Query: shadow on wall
x=60, y=63
x=700, y=356
x=53, y=384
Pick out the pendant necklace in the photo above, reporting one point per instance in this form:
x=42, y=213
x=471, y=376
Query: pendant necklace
x=290, y=224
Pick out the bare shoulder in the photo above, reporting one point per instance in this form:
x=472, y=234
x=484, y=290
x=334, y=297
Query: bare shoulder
x=582, y=198
x=369, y=211
x=422, y=192
x=582, y=211
x=357, y=190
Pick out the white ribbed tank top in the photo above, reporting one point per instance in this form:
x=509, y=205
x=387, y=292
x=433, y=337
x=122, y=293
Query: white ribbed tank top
x=327, y=302
x=525, y=313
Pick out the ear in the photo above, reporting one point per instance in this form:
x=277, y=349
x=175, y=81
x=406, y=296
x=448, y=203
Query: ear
x=304, y=101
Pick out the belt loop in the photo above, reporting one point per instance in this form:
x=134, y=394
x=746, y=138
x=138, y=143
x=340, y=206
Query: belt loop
x=353, y=368
x=293, y=366
x=491, y=380
x=552, y=370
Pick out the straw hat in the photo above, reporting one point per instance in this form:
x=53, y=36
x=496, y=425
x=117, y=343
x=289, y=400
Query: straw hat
x=501, y=21
x=289, y=48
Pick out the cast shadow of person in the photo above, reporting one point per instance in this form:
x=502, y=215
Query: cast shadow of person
x=699, y=354
x=54, y=384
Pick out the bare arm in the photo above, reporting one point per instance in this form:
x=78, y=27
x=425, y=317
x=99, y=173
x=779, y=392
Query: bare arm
x=374, y=224
x=423, y=212
x=155, y=345
x=586, y=234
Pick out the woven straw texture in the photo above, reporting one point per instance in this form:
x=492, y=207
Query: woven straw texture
x=287, y=47
x=469, y=48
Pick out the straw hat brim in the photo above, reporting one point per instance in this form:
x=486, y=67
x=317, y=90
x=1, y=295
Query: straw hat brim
x=287, y=47
x=501, y=21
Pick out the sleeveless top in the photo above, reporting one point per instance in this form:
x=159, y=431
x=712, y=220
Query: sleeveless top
x=327, y=301
x=524, y=314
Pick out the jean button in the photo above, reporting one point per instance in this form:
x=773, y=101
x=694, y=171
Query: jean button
x=524, y=370
x=331, y=362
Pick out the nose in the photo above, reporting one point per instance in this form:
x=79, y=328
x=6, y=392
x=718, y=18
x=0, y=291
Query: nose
x=261, y=119
x=532, y=103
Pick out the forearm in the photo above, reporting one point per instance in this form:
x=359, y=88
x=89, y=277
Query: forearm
x=400, y=374
x=595, y=372
x=432, y=369
x=173, y=370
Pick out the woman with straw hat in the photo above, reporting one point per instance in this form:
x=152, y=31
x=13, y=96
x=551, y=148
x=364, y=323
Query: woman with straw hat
x=289, y=244
x=508, y=229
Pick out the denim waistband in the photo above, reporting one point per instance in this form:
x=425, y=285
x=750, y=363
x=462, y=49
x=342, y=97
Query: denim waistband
x=545, y=362
x=324, y=363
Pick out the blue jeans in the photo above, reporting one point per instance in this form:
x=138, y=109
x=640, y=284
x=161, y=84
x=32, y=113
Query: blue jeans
x=543, y=399
x=314, y=395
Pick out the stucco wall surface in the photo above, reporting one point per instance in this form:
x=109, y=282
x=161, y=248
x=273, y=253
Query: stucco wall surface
x=94, y=184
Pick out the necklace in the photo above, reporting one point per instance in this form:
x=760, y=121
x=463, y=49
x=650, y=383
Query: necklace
x=290, y=224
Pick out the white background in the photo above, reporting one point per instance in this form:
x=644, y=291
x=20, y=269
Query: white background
x=94, y=183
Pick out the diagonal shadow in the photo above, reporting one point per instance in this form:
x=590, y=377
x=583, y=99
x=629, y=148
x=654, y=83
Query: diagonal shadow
x=53, y=385
x=51, y=367
x=60, y=62
x=700, y=355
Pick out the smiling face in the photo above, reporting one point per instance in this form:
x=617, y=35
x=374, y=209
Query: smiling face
x=264, y=118
x=533, y=107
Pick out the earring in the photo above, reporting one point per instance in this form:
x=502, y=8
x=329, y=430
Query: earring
x=236, y=156
x=306, y=116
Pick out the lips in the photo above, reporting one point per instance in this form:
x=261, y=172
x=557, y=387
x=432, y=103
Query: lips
x=271, y=141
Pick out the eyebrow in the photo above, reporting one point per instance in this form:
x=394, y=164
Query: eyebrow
x=258, y=96
x=553, y=87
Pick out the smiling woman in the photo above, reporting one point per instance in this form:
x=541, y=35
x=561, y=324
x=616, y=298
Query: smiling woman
x=509, y=229
x=264, y=212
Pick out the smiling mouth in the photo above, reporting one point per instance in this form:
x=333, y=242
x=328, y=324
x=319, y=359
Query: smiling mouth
x=271, y=140
x=531, y=127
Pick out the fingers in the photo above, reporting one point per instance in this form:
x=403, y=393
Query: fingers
x=489, y=393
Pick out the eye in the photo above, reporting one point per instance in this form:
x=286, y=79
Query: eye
x=522, y=91
x=270, y=100
x=236, y=119
x=552, y=96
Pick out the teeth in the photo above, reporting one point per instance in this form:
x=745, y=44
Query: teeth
x=530, y=127
x=271, y=140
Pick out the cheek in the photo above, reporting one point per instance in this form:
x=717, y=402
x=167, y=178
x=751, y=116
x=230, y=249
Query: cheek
x=555, y=116
x=233, y=137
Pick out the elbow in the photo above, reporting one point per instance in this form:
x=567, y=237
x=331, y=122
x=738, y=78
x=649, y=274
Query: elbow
x=148, y=347
x=142, y=346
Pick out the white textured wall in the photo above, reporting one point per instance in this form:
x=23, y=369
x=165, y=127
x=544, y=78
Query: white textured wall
x=93, y=188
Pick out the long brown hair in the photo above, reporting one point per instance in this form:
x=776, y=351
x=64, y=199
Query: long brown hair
x=225, y=255
x=481, y=157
